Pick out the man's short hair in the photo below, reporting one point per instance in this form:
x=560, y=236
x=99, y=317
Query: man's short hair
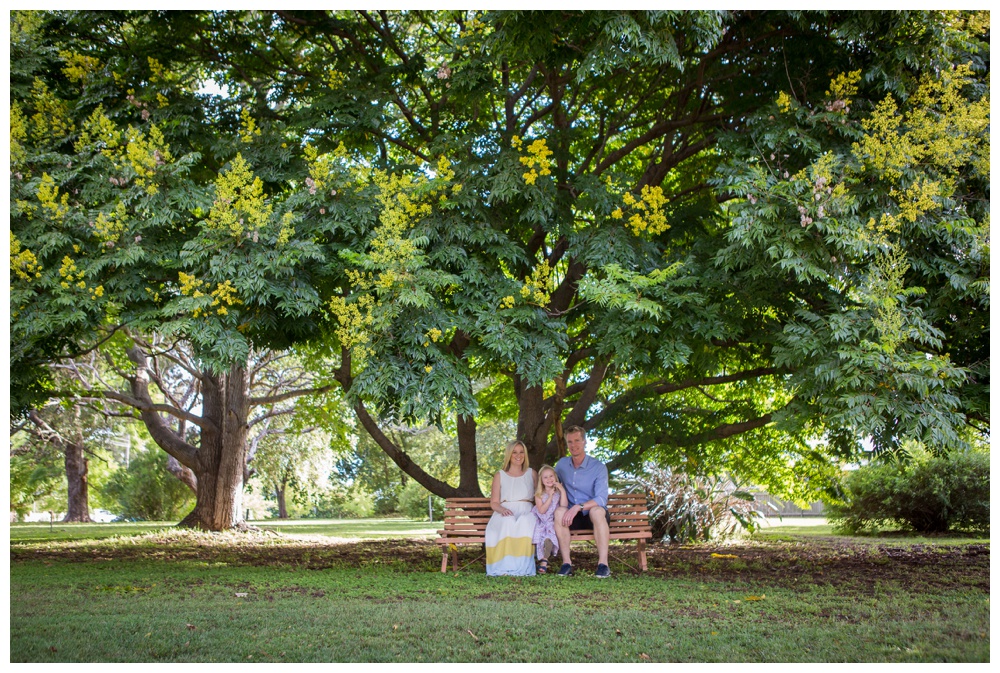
x=575, y=428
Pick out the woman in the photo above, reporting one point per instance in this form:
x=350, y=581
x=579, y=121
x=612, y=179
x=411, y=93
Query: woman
x=509, y=531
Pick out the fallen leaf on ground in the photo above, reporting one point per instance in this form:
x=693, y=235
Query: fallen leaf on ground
x=645, y=656
x=714, y=555
x=469, y=631
x=191, y=627
x=241, y=594
x=755, y=598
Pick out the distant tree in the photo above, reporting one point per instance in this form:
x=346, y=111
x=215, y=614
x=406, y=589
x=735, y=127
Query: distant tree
x=72, y=429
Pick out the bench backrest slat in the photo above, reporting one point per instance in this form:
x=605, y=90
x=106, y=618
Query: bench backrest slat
x=465, y=519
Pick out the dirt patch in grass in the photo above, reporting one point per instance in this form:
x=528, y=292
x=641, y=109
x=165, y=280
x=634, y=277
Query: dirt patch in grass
x=824, y=561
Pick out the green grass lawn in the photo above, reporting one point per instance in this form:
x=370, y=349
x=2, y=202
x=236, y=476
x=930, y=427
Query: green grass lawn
x=304, y=593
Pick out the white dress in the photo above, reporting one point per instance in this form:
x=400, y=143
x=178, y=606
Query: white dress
x=508, y=538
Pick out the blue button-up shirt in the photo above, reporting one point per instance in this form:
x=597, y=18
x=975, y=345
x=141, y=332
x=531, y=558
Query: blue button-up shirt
x=587, y=482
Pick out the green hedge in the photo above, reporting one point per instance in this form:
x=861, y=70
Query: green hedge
x=924, y=493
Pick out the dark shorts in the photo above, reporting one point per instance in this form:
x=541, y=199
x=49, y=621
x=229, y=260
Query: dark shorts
x=581, y=522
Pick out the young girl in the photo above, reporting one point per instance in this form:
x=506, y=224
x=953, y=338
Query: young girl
x=549, y=495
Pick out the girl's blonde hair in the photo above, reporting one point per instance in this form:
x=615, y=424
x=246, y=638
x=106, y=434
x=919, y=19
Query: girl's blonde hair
x=510, y=450
x=539, y=487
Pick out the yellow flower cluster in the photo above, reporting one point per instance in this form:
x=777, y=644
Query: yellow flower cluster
x=536, y=286
x=472, y=26
x=784, y=102
x=443, y=169
x=917, y=199
x=190, y=285
x=223, y=296
x=940, y=127
x=647, y=211
x=335, y=79
x=239, y=203
x=391, y=252
x=842, y=87
x=248, y=126
x=537, y=157
x=391, y=248
x=155, y=69
x=434, y=334
x=321, y=166
x=48, y=196
x=286, y=229
x=145, y=154
x=507, y=302
x=71, y=274
x=110, y=226
x=18, y=134
x=51, y=119
x=22, y=261
x=353, y=322
x=78, y=66
x=99, y=130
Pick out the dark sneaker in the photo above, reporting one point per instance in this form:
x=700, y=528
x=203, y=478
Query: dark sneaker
x=602, y=571
x=566, y=570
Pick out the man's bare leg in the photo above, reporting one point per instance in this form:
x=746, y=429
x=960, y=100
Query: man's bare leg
x=602, y=536
x=562, y=534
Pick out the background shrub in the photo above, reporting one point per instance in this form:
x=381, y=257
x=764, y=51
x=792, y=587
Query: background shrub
x=917, y=491
x=146, y=491
x=341, y=502
x=687, y=508
x=412, y=502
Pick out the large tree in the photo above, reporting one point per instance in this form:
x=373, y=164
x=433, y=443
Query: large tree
x=530, y=215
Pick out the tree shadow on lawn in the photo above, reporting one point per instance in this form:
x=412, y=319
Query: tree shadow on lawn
x=824, y=561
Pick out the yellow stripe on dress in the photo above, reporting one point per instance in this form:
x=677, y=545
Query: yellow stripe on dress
x=509, y=546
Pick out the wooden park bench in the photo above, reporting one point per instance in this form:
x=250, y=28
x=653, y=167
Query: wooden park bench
x=465, y=522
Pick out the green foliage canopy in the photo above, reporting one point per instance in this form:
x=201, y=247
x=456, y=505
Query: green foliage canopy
x=595, y=213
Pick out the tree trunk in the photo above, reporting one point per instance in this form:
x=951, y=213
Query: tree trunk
x=222, y=455
x=76, y=480
x=282, y=507
x=468, y=468
x=533, y=423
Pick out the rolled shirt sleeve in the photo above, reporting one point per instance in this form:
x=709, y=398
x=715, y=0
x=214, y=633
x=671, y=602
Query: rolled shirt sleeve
x=601, y=484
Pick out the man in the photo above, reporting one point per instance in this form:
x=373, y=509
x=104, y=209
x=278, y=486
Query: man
x=586, y=482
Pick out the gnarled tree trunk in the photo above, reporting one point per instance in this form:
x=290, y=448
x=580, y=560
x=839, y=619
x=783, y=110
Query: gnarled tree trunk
x=219, y=461
x=221, y=458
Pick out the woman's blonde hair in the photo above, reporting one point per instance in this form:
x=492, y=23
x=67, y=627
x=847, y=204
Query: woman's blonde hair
x=539, y=488
x=510, y=450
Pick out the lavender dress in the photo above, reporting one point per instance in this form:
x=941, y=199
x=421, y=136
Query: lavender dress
x=545, y=529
